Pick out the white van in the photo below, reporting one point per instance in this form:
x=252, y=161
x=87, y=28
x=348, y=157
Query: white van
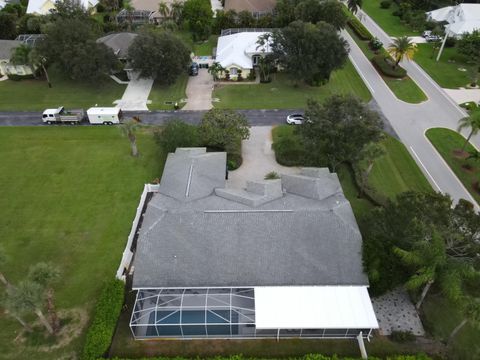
x=104, y=115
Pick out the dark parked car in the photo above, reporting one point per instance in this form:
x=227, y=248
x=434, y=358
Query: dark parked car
x=193, y=71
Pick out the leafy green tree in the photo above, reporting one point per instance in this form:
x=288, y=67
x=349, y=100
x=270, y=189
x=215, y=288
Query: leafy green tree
x=129, y=129
x=70, y=45
x=176, y=11
x=285, y=12
x=471, y=121
x=330, y=11
x=338, y=130
x=400, y=223
x=224, y=20
x=198, y=16
x=163, y=9
x=177, y=134
x=245, y=19
x=8, y=27
x=369, y=154
x=28, y=297
x=469, y=45
x=402, y=48
x=46, y=274
x=309, y=52
x=159, y=55
x=224, y=129
x=69, y=9
x=354, y=5
x=26, y=55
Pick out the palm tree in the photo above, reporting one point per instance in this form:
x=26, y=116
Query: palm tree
x=28, y=297
x=432, y=265
x=46, y=274
x=354, y=5
x=14, y=310
x=163, y=9
x=473, y=122
x=216, y=70
x=3, y=261
x=402, y=48
x=128, y=7
x=471, y=311
x=176, y=11
x=129, y=129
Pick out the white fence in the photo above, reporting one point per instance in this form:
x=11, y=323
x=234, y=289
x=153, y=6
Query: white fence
x=127, y=253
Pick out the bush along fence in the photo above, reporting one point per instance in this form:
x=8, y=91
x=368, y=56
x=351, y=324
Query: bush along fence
x=306, y=357
x=380, y=58
x=102, y=328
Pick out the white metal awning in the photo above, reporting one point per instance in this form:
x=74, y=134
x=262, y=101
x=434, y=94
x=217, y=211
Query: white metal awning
x=314, y=307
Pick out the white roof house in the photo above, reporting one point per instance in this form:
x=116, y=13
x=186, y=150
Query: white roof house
x=43, y=7
x=461, y=19
x=238, y=49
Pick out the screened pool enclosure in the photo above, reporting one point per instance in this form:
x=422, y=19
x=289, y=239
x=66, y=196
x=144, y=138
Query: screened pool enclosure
x=223, y=313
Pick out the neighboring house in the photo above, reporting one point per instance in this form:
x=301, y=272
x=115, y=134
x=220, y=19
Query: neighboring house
x=119, y=43
x=43, y=7
x=279, y=259
x=6, y=68
x=459, y=19
x=240, y=51
x=256, y=7
x=145, y=11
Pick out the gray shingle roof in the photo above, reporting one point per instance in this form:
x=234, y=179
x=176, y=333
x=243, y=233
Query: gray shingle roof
x=118, y=42
x=305, y=236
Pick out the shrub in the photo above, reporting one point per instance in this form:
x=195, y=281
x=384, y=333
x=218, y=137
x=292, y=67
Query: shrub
x=289, y=151
x=385, y=4
x=107, y=310
x=402, y=336
x=251, y=75
x=15, y=77
x=234, y=161
x=272, y=175
x=384, y=64
x=100, y=8
x=450, y=42
x=375, y=44
x=397, y=13
x=176, y=134
x=359, y=29
x=239, y=76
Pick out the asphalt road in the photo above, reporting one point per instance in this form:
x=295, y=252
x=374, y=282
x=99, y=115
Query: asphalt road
x=256, y=117
x=411, y=121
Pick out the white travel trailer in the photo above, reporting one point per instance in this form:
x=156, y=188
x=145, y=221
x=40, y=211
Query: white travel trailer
x=104, y=115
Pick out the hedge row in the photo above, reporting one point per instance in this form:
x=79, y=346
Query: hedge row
x=359, y=29
x=306, y=357
x=385, y=65
x=107, y=311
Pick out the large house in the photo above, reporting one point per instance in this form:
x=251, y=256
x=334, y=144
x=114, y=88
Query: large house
x=279, y=259
x=256, y=7
x=43, y=7
x=145, y=11
x=241, y=51
x=459, y=19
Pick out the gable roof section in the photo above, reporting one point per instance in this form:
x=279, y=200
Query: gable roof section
x=237, y=49
x=118, y=42
x=258, y=236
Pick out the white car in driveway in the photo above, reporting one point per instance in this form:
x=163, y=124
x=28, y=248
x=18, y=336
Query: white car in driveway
x=295, y=119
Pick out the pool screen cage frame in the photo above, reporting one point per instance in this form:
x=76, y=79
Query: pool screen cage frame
x=194, y=313
x=219, y=313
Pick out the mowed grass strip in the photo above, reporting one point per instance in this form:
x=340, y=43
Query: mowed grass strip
x=168, y=93
x=396, y=171
x=449, y=72
x=68, y=195
x=282, y=94
x=35, y=95
x=446, y=142
x=391, y=24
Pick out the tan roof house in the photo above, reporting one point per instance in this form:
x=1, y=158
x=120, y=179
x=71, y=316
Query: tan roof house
x=256, y=7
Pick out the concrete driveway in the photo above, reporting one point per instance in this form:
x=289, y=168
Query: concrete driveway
x=410, y=121
x=135, y=97
x=199, y=91
x=258, y=159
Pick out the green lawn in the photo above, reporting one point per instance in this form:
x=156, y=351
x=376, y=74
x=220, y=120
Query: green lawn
x=68, y=195
x=446, y=141
x=396, y=171
x=282, y=94
x=205, y=48
x=173, y=93
x=446, y=71
x=440, y=317
x=404, y=89
x=28, y=95
x=392, y=25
